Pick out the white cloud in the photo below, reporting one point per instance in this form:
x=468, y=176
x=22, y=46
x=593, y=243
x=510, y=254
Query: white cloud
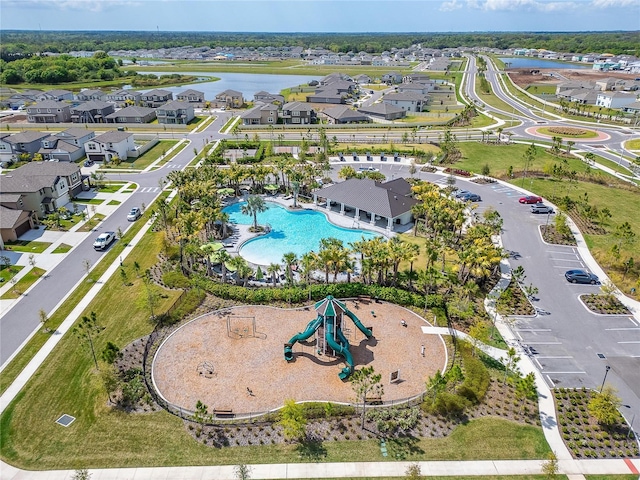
x=525, y=5
x=450, y=6
x=615, y=3
x=87, y=5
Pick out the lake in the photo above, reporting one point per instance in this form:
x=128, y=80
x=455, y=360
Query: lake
x=247, y=83
x=529, y=62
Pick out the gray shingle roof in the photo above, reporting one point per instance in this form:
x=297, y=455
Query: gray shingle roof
x=9, y=217
x=92, y=105
x=49, y=104
x=342, y=112
x=381, y=109
x=114, y=136
x=131, y=111
x=384, y=199
x=34, y=176
x=175, y=105
x=25, y=137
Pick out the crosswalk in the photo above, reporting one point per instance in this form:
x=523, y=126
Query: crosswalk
x=149, y=190
x=174, y=166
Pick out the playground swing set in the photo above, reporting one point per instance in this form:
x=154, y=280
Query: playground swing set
x=329, y=327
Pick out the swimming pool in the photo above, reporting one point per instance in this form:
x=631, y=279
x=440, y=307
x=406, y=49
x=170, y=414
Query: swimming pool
x=291, y=231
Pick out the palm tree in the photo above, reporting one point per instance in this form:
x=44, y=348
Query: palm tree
x=289, y=259
x=223, y=257
x=243, y=270
x=254, y=205
x=273, y=270
x=307, y=264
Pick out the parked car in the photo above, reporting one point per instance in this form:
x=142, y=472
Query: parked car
x=104, y=240
x=541, y=208
x=368, y=169
x=134, y=214
x=581, y=276
x=530, y=199
x=460, y=193
x=470, y=197
x=88, y=163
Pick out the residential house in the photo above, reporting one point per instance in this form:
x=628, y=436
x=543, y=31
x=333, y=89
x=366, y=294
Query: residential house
x=93, y=111
x=229, y=99
x=408, y=101
x=43, y=186
x=582, y=96
x=266, y=97
x=55, y=95
x=67, y=145
x=341, y=114
x=298, y=113
x=132, y=115
x=564, y=86
x=89, y=94
x=266, y=114
x=105, y=147
x=362, y=79
x=632, y=107
x=24, y=142
x=175, y=112
x=49, y=111
x=122, y=98
x=417, y=87
x=391, y=78
x=191, y=96
x=14, y=221
x=384, y=111
x=615, y=99
x=155, y=98
x=6, y=152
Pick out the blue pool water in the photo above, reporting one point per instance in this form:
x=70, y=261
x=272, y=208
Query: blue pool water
x=291, y=231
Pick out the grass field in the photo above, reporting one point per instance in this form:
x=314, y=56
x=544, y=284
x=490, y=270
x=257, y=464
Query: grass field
x=146, y=158
x=92, y=222
x=62, y=248
x=111, y=187
x=90, y=201
x=536, y=89
x=7, y=274
x=31, y=277
x=632, y=144
x=586, y=134
x=27, y=246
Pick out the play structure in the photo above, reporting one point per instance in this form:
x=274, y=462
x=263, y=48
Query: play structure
x=329, y=326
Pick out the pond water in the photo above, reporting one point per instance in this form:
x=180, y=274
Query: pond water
x=529, y=62
x=291, y=231
x=247, y=83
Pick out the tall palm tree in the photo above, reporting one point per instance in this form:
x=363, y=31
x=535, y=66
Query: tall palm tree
x=273, y=270
x=223, y=257
x=289, y=259
x=307, y=264
x=254, y=205
x=243, y=270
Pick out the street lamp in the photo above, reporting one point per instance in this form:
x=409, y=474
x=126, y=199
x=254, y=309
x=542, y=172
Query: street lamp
x=607, y=368
x=632, y=419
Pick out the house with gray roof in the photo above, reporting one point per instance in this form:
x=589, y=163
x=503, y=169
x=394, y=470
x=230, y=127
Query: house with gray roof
x=132, y=114
x=6, y=152
x=44, y=186
x=407, y=101
x=191, y=96
x=391, y=78
x=175, y=112
x=67, y=145
x=105, y=147
x=298, y=113
x=14, y=221
x=155, y=98
x=123, y=98
x=24, y=142
x=615, y=99
x=266, y=97
x=93, y=111
x=89, y=94
x=49, y=111
x=341, y=114
x=384, y=111
x=386, y=204
x=266, y=114
x=229, y=99
x=57, y=95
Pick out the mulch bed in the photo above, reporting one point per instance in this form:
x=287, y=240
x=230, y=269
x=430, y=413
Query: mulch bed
x=514, y=302
x=585, y=225
x=484, y=180
x=604, y=304
x=582, y=434
x=551, y=235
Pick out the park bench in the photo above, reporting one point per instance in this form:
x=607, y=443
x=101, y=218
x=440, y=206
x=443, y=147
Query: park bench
x=373, y=400
x=221, y=412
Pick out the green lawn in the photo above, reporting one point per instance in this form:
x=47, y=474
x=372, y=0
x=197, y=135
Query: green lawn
x=92, y=222
x=612, y=165
x=7, y=274
x=565, y=137
x=538, y=89
x=24, y=283
x=169, y=156
x=90, y=201
x=492, y=100
x=111, y=187
x=114, y=202
x=62, y=248
x=27, y=246
x=632, y=144
x=146, y=159
x=66, y=225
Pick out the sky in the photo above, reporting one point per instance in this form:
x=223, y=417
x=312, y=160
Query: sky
x=322, y=15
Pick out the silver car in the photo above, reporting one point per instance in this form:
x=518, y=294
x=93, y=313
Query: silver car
x=541, y=208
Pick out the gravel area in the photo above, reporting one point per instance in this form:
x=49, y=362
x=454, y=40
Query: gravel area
x=250, y=374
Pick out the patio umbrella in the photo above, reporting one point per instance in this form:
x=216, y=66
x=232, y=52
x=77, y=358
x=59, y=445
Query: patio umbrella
x=271, y=187
x=230, y=267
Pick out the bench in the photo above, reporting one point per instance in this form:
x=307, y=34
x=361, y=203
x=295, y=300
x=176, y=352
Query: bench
x=373, y=400
x=220, y=412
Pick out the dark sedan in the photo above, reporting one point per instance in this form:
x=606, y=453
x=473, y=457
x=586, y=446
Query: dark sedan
x=530, y=199
x=581, y=276
x=470, y=197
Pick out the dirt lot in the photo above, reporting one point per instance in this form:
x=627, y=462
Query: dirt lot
x=523, y=77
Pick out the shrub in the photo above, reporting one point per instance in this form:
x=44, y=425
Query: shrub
x=175, y=279
x=476, y=378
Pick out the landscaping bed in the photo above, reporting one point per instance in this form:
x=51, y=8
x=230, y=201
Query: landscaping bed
x=514, y=302
x=582, y=434
x=552, y=236
x=484, y=180
x=604, y=304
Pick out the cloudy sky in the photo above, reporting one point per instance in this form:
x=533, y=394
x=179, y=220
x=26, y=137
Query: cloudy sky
x=322, y=15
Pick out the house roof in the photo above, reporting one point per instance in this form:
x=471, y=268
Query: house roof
x=57, y=93
x=9, y=217
x=34, y=176
x=190, y=91
x=9, y=197
x=230, y=93
x=157, y=92
x=132, y=111
x=25, y=137
x=405, y=96
x=91, y=91
x=49, y=104
x=61, y=145
x=114, y=136
x=299, y=106
x=384, y=199
x=92, y=105
x=73, y=132
x=381, y=109
x=342, y=112
x=175, y=105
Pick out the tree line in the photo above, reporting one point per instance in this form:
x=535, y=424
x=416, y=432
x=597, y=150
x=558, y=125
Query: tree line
x=18, y=43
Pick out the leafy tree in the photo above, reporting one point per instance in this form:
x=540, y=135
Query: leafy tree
x=413, y=472
x=510, y=363
x=366, y=383
x=109, y=379
x=201, y=415
x=86, y=331
x=526, y=388
x=550, y=468
x=44, y=320
x=110, y=353
x=242, y=472
x=604, y=406
x=81, y=474
x=293, y=421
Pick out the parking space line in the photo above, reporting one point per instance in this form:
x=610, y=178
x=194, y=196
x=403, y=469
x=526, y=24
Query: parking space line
x=565, y=260
x=631, y=342
x=632, y=321
x=551, y=381
x=533, y=329
x=554, y=356
x=623, y=328
x=558, y=373
x=544, y=343
x=539, y=366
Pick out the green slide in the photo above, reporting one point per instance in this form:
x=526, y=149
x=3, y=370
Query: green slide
x=310, y=330
x=341, y=349
x=368, y=333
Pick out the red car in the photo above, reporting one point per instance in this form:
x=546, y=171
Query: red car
x=529, y=199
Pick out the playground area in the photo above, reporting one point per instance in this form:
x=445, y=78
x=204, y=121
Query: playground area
x=232, y=360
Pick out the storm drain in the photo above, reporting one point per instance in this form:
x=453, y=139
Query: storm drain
x=65, y=420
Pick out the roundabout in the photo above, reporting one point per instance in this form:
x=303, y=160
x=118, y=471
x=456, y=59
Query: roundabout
x=574, y=134
x=232, y=359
